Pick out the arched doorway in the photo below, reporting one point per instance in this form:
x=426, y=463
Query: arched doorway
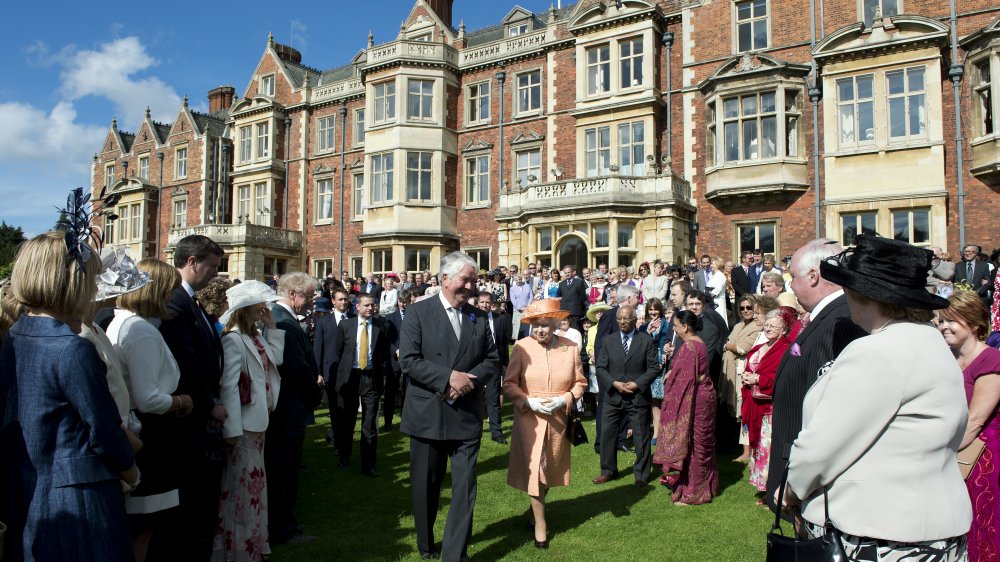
x=573, y=250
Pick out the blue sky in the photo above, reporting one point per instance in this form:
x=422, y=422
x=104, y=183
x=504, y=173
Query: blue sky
x=69, y=67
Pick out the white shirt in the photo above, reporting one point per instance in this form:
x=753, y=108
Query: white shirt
x=357, y=347
x=338, y=316
x=822, y=303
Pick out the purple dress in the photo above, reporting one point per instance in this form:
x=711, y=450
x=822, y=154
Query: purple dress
x=984, y=481
x=686, y=445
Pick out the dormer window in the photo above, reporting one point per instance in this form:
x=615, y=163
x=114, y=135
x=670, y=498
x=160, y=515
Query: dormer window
x=517, y=29
x=267, y=85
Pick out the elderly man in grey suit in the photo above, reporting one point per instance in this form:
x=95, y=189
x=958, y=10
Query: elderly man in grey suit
x=626, y=367
x=826, y=332
x=447, y=352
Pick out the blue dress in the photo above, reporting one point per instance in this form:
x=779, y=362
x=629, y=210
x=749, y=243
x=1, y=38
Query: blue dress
x=74, y=445
x=659, y=340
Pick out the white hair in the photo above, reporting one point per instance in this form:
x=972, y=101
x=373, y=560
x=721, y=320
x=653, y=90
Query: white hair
x=297, y=281
x=814, y=252
x=624, y=292
x=455, y=262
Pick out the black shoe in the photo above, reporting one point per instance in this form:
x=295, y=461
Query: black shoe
x=432, y=555
x=370, y=473
x=344, y=462
x=625, y=449
x=499, y=439
x=541, y=544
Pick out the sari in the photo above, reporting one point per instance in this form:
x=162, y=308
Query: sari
x=984, y=480
x=685, y=448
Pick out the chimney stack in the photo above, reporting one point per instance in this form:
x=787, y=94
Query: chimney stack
x=220, y=98
x=442, y=8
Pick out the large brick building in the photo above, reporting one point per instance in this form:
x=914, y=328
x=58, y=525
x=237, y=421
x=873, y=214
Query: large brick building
x=597, y=131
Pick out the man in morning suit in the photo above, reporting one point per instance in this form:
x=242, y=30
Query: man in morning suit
x=298, y=397
x=501, y=328
x=828, y=331
x=197, y=348
x=363, y=348
x=325, y=352
x=573, y=295
x=448, y=356
x=973, y=271
x=626, y=367
x=394, y=376
x=606, y=326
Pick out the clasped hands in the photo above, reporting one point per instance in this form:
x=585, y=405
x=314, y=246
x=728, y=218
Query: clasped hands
x=459, y=384
x=625, y=387
x=546, y=406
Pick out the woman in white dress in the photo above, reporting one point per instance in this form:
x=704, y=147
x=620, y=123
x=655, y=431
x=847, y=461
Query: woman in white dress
x=716, y=286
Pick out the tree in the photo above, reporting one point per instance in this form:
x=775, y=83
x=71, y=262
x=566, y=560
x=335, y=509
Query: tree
x=10, y=238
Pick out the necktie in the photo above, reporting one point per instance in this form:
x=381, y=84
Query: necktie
x=625, y=343
x=456, y=322
x=968, y=277
x=363, y=346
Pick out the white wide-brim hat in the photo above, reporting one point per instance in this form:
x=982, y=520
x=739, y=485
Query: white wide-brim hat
x=247, y=293
x=120, y=276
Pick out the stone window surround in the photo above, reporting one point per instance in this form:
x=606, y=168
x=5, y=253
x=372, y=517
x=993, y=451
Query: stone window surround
x=644, y=34
x=358, y=136
x=615, y=142
x=267, y=85
x=975, y=60
x=780, y=87
x=516, y=111
x=330, y=133
x=467, y=159
x=178, y=160
x=358, y=171
x=325, y=176
x=735, y=26
x=757, y=223
x=470, y=101
x=178, y=195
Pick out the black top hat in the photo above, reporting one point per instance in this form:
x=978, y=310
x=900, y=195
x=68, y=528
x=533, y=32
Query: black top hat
x=884, y=270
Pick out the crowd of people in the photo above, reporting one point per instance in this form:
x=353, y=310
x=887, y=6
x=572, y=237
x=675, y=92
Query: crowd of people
x=155, y=411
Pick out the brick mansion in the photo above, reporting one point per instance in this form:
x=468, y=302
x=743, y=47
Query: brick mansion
x=598, y=131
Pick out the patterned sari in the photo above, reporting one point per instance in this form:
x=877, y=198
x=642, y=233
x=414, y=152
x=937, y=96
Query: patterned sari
x=984, y=481
x=685, y=448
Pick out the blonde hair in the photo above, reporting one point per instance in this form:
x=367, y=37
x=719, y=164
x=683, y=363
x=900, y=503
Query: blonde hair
x=240, y=321
x=46, y=276
x=10, y=309
x=151, y=300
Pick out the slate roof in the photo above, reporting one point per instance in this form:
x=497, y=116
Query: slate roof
x=214, y=123
x=496, y=32
x=162, y=130
x=128, y=139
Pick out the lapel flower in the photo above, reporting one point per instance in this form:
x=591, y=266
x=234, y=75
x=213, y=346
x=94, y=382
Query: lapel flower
x=472, y=318
x=796, y=351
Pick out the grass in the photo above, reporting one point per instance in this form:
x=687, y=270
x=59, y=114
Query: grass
x=357, y=518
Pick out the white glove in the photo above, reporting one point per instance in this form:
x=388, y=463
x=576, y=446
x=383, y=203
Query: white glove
x=536, y=405
x=555, y=404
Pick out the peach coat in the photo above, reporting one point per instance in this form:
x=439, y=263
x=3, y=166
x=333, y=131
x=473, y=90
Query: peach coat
x=539, y=448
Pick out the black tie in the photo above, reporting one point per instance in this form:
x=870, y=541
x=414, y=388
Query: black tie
x=625, y=343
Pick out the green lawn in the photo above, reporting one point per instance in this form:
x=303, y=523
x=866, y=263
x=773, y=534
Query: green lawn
x=358, y=518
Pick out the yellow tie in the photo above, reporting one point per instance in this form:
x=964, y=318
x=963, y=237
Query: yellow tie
x=363, y=347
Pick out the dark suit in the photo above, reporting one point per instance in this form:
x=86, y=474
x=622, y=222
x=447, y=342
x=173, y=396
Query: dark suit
x=640, y=365
x=197, y=348
x=501, y=333
x=354, y=384
x=980, y=271
x=741, y=281
x=287, y=427
x=574, y=299
x=816, y=345
x=754, y=277
x=714, y=333
x=606, y=326
x=325, y=352
x=394, y=376
x=428, y=352
x=373, y=289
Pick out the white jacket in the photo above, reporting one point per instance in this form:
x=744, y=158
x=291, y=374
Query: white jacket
x=240, y=354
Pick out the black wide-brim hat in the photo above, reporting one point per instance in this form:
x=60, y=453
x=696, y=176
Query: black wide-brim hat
x=884, y=270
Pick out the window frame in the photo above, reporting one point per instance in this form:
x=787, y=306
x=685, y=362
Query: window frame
x=326, y=138
x=267, y=85
x=423, y=190
x=424, y=99
x=910, y=212
x=180, y=158
x=520, y=111
x=179, y=218
x=243, y=205
x=476, y=99
x=858, y=217
x=261, y=193
x=322, y=183
x=983, y=96
x=477, y=255
x=786, y=117
x=855, y=102
x=321, y=267
x=906, y=96
x=263, y=140
x=358, y=195
x=516, y=168
x=756, y=224
x=863, y=16
x=417, y=252
x=383, y=253
x=597, y=150
x=751, y=22
x=246, y=143
x=473, y=181
x=597, y=69
x=517, y=29
x=382, y=188
x=142, y=169
x=632, y=147
x=109, y=177
x=634, y=61
x=138, y=219
x=123, y=222
x=384, y=100
x=359, y=127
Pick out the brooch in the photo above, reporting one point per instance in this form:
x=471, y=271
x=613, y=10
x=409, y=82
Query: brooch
x=796, y=351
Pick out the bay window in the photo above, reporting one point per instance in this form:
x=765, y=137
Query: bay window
x=856, y=110
x=597, y=151
x=418, y=176
x=907, y=103
x=598, y=69
x=382, y=177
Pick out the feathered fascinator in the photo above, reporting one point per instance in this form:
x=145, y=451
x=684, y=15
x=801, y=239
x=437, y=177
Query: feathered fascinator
x=82, y=238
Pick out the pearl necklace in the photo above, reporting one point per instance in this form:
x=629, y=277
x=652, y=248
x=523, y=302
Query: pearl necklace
x=882, y=327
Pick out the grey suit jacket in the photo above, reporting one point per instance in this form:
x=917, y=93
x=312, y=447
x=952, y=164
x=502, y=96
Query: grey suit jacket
x=640, y=366
x=428, y=353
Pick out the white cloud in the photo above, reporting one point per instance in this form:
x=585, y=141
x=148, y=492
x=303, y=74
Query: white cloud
x=45, y=152
x=299, y=35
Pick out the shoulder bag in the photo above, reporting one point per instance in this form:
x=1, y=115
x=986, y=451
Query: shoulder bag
x=969, y=456
x=781, y=548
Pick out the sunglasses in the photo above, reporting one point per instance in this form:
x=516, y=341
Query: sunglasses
x=746, y=308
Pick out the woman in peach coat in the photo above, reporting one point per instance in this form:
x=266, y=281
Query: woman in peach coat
x=544, y=379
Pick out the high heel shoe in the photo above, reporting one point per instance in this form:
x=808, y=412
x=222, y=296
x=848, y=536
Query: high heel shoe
x=541, y=544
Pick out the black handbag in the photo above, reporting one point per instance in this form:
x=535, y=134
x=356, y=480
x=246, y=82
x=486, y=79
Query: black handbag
x=574, y=428
x=781, y=548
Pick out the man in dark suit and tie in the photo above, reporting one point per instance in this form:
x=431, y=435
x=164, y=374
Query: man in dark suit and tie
x=373, y=287
x=501, y=328
x=363, y=347
x=626, y=367
x=740, y=276
x=325, y=352
x=828, y=331
x=197, y=348
x=973, y=271
x=756, y=268
x=573, y=295
x=394, y=376
x=299, y=395
x=447, y=353
x=606, y=326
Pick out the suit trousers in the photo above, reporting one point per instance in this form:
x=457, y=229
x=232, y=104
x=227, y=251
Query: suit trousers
x=363, y=388
x=640, y=417
x=493, y=403
x=428, y=464
x=331, y=405
x=623, y=424
x=392, y=380
x=282, y=461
